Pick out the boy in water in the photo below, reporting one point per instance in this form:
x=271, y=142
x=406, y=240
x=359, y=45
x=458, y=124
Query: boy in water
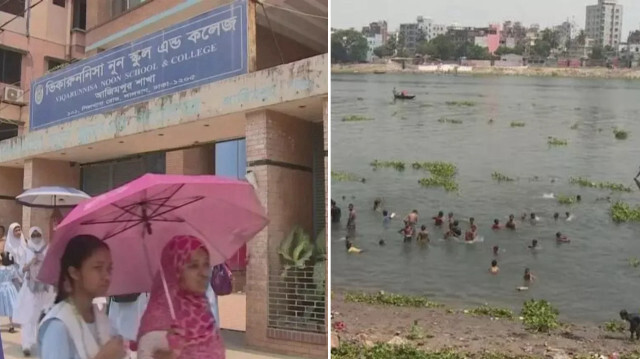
x=376, y=204
x=412, y=219
x=450, y=219
x=335, y=212
x=423, y=235
x=386, y=219
x=351, y=248
x=534, y=244
x=471, y=234
x=562, y=239
x=455, y=231
x=407, y=232
x=511, y=223
x=351, y=222
x=496, y=225
x=528, y=277
x=556, y=216
x=568, y=215
x=534, y=219
x=439, y=220
x=496, y=250
x=494, y=267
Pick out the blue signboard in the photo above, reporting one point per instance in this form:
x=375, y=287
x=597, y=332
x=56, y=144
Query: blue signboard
x=204, y=49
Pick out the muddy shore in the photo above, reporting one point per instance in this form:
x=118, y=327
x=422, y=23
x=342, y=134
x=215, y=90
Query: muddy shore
x=591, y=72
x=444, y=328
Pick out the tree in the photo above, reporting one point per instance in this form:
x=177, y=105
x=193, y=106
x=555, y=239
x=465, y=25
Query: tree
x=383, y=51
x=503, y=50
x=551, y=37
x=400, y=45
x=475, y=52
x=597, y=53
x=348, y=46
x=542, y=48
x=582, y=38
x=441, y=47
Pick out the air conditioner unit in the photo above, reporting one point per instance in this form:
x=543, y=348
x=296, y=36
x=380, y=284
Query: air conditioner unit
x=13, y=95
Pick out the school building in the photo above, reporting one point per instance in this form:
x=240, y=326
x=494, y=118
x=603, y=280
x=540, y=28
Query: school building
x=95, y=93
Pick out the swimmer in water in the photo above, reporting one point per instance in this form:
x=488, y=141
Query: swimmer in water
x=407, y=232
x=496, y=224
x=534, y=244
x=562, y=239
x=496, y=250
x=450, y=219
x=511, y=223
x=439, y=219
x=556, y=216
x=524, y=216
x=471, y=234
x=455, y=230
x=386, y=219
x=494, y=267
x=381, y=242
x=412, y=219
x=423, y=235
x=528, y=277
x=376, y=204
x=351, y=248
x=578, y=198
x=569, y=216
x=534, y=218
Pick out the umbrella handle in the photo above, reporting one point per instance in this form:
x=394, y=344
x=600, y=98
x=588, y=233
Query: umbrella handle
x=166, y=292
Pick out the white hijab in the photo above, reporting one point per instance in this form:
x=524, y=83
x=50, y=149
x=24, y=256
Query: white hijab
x=35, y=245
x=15, y=245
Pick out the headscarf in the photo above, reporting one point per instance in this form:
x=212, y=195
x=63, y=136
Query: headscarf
x=35, y=249
x=16, y=246
x=194, y=320
x=34, y=245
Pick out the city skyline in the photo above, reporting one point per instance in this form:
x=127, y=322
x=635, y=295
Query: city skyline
x=359, y=13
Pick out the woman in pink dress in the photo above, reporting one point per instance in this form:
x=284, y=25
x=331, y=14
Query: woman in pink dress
x=193, y=334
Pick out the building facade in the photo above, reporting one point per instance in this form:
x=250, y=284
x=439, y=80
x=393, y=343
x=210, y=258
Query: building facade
x=373, y=42
x=429, y=29
x=604, y=23
x=408, y=37
x=377, y=28
x=192, y=87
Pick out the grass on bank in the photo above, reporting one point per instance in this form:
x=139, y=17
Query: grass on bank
x=390, y=299
x=356, y=118
x=539, y=316
x=388, y=351
x=497, y=176
x=397, y=165
x=615, y=326
x=623, y=212
x=493, y=312
x=552, y=141
x=517, y=124
x=345, y=177
x=585, y=182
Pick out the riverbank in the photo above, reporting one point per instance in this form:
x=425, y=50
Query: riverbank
x=585, y=72
x=433, y=328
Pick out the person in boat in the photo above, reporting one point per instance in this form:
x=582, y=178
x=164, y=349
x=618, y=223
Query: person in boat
x=562, y=239
x=494, y=267
x=511, y=223
x=423, y=235
x=496, y=225
x=439, y=219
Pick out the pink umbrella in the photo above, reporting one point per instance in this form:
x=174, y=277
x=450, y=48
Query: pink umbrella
x=139, y=218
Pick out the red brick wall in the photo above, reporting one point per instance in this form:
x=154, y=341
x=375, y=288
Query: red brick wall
x=10, y=185
x=288, y=197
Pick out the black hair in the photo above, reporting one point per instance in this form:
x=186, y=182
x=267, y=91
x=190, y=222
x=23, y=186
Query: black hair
x=494, y=263
x=75, y=254
x=7, y=259
x=423, y=227
x=556, y=214
x=384, y=212
x=496, y=221
x=455, y=223
x=534, y=241
x=471, y=219
x=533, y=215
x=440, y=213
x=558, y=234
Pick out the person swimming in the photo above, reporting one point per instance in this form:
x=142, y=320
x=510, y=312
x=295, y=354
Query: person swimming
x=455, y=230
x=407, y=232
x=439, y=219
x=511, y=224
x=528, y=276
x=376, y=204
x=556, y=216
x=534, y=244
x=386, y=219
x=494, y=267
x=534, y=219
x=423, y=235
x=351, y=248
x=496, y=224
x=471, y=234
x=524, y=216
x=568, y=215
x=562, y=239
x=578, y=198
x=496, y=250
x=381, y=242
x=450, y=219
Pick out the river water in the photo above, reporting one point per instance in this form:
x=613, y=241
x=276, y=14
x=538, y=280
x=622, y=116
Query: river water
x=589, y=279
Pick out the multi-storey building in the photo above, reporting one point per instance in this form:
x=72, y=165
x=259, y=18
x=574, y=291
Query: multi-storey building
x=604, y=23
x=429, y=29
x=98, y=92
x=408, y=37
x=377, y=28
x=423, y=30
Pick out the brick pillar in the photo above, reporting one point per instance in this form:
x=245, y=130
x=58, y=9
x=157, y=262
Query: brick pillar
x=279, y=152
x=190, y=161
x=10, y=187
x=40, y=172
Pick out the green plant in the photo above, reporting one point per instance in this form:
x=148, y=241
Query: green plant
x=575, y=126
x=426, y=105
x=450, y=120
x=620, y=134
x=517, y=124
x=438, y=169
x=295, y=250
x=447, y=183
x=539, y=316
x=344, y=177
x=397, y=165
x=355, y=118
x=461, y=103
x=415, y=332
x=493, y=312
x=585, y=182
x=566, y=200
x=389, y=299
x=497, y=176
x=623, y=212
x=552, y=141
x=615, y=326
x=634, y=262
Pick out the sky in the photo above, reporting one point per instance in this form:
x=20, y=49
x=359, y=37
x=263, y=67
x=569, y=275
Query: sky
x=358, y=13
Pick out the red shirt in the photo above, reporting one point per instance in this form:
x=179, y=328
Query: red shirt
x=496, y=226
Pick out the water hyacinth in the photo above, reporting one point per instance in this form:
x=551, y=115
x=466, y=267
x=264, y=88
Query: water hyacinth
x=497, y=176
x=585, y=182
x=565, y=199
x=447, y=183
x=517, y=124
x=437, y=168
x=493, y=312
x=620, y=134
x=397, y=165
x=552, y=141
x=390, y=299
x=450, y=120
x=623, y=212
x=355, y=118
x=345, y=177
x=461, y=103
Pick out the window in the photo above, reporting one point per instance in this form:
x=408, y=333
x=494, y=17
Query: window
x=54, y=65
x=10, y=67
x=120, y=6
x=80, y=14
x=59, y=2
x=13, y=7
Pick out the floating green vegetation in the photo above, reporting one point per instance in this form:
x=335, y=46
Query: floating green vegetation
x=575, y=126
x=552, y=141
x=356, y=118
x=438, y=169
x=386, y=351
x=623, y=212
x=539, y=316
x=426, y=105
x=493, y=312
x=448, y=184
x=345, y=177
x=585, y=182
x=517, y=124
x=360, y=99
x=634, y=262
x=397, y=165
x=614, y=326
x=461, y=103
x=390, y=299
x=450, y=120
x=620, y=134
x=497, y=176
x=565, y=199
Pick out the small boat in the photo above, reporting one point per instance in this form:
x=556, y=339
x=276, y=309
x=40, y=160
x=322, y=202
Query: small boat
x=399, y=96
x=379, y=72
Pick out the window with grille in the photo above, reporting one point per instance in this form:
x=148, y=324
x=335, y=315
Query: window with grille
x=10, y=67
